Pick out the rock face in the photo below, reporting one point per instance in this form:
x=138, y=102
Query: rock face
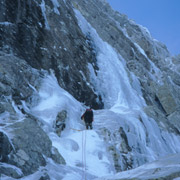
x=17, y=79
x=28, y=145
x=49, y=40
x=28, y=148
x=5, y=147
x=35, y=35
x=39, y=36
x=60, y=122
x=29, y=156
x=57, y=43
x=119, y=149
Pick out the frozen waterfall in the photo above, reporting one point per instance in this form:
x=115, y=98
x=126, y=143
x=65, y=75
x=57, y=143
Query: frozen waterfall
x=122, y=96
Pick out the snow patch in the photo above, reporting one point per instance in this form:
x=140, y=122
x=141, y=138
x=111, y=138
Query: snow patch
x=54, y=99
x=6, y=23
x=18, y=170
x=43, y=9
x=56, y=6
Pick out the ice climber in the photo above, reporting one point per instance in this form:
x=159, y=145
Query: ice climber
x=88, y=118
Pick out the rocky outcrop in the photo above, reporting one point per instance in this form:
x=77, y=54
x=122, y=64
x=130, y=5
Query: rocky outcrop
x=174, y=120
x=5, y=147
x=165, y=97
x=36, y=35
x=18, y=82
x=25, y=145
x=29, y=147
x=60, y=122
x=117, y=145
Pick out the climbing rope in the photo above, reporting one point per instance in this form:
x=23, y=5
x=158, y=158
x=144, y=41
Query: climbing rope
x=83, y=152
x=84, y=155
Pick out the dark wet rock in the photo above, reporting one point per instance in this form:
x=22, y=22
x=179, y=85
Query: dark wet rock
x=60, y=122
x=5, y=147
x=124, y=146
x=56, y=156
x=45, y=177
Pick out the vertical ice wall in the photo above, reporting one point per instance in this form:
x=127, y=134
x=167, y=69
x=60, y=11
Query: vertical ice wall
x=112, y=81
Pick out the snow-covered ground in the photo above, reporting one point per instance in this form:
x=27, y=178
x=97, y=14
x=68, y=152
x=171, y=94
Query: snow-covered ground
x=166, y=168
x=85, y=151
x=82, y=149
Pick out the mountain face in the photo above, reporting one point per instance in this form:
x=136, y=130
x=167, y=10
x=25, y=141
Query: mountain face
x=59, y=56
x=46, y=36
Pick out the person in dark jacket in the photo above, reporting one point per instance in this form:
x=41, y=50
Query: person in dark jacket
x=88, y=118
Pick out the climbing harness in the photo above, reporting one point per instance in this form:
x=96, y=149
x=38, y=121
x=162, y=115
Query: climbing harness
x=83, y=152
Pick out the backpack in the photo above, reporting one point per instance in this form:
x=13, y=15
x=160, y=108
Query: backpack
x=88, y=115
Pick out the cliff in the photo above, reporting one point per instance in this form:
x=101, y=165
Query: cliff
x=60, y=56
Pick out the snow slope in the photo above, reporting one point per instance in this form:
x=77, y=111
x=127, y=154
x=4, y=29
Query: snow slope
x=75, y=142
x=167, y=167
x=85, y=151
